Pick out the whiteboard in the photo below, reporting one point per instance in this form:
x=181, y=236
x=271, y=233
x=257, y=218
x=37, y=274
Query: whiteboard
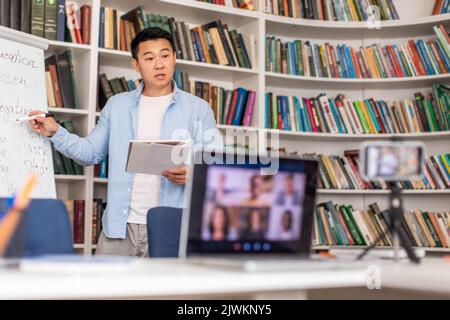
x=22, y=89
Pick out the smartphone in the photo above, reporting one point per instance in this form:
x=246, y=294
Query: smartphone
x=392, y=161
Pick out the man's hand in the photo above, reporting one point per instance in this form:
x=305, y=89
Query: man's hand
x=178, y=176
x=44, y=126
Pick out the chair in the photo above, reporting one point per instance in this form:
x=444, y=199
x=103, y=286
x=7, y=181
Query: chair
x=163, y=228
x=45, y=229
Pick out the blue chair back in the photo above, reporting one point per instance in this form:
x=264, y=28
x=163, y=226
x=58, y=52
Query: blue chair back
x=44, y=229
x=163, y=228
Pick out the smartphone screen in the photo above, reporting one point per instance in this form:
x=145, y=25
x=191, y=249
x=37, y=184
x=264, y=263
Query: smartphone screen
x=392, y=161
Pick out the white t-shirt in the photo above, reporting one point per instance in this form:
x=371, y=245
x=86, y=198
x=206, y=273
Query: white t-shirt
x=146, y=188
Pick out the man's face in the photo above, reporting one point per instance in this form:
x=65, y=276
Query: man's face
x=155, y=62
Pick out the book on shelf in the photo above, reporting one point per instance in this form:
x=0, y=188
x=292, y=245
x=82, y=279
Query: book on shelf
x=441, y=7
x=79, y=221
x=321, y=114
x=241, y=4
x=62, y=164
x=343, y=225
x=230, y=107
x=101, y=169
x=98, y=208
x=332, y=10
x=59, y=20
x=342, y=173
x=111, y=87
x=409, y=59
x=213, y=42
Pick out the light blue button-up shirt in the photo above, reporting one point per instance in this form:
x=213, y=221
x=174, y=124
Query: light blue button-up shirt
x=187, y=118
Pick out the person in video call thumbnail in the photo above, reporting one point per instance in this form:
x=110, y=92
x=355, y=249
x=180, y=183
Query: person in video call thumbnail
x=254, y=230
x=219, y=224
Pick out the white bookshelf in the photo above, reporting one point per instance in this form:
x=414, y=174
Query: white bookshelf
x=416, y=22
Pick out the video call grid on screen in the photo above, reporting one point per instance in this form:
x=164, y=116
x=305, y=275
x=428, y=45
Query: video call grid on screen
x=243, y=205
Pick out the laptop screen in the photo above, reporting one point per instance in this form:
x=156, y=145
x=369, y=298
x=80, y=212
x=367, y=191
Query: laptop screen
x=237, y=208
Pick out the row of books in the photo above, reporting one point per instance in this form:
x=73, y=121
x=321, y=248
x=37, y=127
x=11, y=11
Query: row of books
x=241, y=4
x=233, y=107
x=101, y=169
x=332, y=10
x=111, y=87
x=59, y=20
x=61, y=163
x=230, y=107
x=60, y=81
x=342, y=173
x=342, y=116
x=441, y=7
x=209, y=43
x=342, y=225
x=411, y=59
x=76, y=210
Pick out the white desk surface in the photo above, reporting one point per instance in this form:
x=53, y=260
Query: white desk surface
x=431, y=276
x=167, y=278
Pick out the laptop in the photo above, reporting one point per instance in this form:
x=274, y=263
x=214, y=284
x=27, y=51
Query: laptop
x=251, y=212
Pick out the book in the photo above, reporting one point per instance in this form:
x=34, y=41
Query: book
x=25, y=16
x=86, y=12
x=66, y=76
x=98, y=208
x=61, y=20
x=37, y=17
x=5, y=11
x=15, y=13
x=50, y=23
x=441, y=7
x=78, y=221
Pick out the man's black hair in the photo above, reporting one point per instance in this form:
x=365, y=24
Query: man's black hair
x=153, y=33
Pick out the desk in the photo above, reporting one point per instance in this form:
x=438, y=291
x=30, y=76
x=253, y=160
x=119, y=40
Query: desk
x=173, y=279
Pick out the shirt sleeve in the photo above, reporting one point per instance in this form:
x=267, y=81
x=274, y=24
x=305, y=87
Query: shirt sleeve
x=85, y=151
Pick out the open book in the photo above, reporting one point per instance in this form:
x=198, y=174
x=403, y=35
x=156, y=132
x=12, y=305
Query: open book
x=153, y=157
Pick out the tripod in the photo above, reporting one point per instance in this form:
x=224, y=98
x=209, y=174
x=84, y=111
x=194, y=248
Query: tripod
x=398, y=234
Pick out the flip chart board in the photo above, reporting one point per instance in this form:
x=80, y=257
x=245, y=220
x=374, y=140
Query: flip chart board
x=22, y=89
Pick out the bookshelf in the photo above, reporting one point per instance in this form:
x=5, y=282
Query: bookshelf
x=91, y=60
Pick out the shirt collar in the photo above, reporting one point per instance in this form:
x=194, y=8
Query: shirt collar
x=138, y=92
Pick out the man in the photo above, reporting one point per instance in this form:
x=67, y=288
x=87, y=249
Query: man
x=156, y=110
x=288, y=196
